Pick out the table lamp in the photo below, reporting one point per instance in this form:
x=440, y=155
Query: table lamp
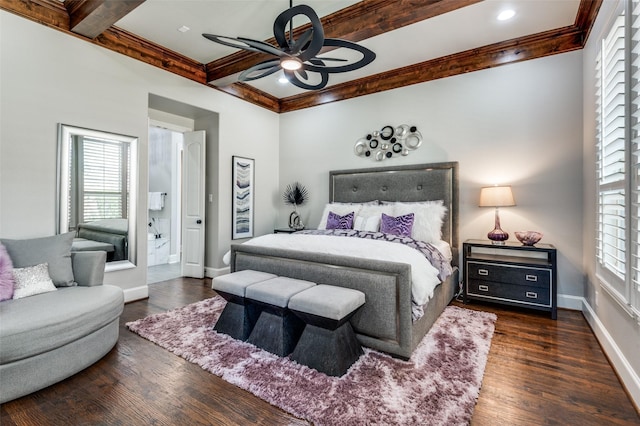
x=497, y=196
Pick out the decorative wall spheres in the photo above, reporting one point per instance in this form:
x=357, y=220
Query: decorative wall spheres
x=389, y=141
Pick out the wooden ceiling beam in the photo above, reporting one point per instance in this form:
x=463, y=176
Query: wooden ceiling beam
x=586, y=16
x=52, y=13
x=251, y=94
x=525, y=48
x=91, y=18
x=355, y=23
x=508, y=52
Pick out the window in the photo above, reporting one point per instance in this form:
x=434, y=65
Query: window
x=618, y=172
x=100, y=180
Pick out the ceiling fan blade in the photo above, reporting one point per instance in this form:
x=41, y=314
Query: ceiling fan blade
x=303, y=73
x=302, y=41
x=312, y=46
x=244, y=44
x=333, y=59
x=262, y=46
x=367, y=57
x=293, y=78
x=260, y=70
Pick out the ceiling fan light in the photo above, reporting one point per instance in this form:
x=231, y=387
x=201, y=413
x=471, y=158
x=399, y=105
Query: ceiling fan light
x=291, y=64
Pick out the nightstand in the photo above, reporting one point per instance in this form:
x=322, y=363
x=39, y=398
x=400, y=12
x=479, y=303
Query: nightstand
x=511, y=274
x=284, y=231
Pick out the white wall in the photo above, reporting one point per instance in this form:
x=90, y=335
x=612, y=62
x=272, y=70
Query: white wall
x=48, y=77
x=519, y=124
x=619, y=333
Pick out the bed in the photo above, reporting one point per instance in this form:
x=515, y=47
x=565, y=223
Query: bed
x=385, y=322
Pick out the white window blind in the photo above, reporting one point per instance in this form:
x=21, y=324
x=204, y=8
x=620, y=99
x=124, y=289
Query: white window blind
x=100, y=180
x=618, y=171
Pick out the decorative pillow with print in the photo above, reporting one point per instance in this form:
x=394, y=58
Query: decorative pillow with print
x=6, y=275
x=335, y=221
x=427, y=223
x=400, y=225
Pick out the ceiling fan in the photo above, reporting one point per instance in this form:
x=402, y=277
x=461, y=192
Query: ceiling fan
x=297, y=58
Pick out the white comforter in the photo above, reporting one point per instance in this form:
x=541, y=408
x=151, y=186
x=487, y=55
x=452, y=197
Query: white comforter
x=424, y=276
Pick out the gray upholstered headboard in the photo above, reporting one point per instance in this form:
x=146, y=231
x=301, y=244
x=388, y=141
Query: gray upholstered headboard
x=420, y=182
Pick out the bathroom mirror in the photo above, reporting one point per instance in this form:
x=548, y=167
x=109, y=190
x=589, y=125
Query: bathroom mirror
x=97, y=182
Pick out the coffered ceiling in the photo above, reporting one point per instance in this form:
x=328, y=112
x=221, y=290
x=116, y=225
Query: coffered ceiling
x=414, y=40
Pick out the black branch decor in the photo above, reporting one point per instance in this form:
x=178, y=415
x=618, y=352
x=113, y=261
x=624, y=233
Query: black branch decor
x=295, y=194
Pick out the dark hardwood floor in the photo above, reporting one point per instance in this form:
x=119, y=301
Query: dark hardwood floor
x=539, y=372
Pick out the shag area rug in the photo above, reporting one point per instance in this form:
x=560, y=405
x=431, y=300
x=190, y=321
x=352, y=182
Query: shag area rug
x=439, y=385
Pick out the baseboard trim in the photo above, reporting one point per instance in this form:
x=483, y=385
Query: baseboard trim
x=621, y=365
x=567, y=301
x=136, y=293
x=215, y=272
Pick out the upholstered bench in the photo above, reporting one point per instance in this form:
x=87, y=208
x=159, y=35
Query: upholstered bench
x=237, y=320
x=328, y=343
x=277, y=330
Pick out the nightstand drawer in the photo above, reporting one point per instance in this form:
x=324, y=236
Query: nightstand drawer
x=509, y=274
x=538, y=296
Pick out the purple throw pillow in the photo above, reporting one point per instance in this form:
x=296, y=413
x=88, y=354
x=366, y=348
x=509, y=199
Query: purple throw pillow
x=6, y=275
x=335, y=221
x=401, y=225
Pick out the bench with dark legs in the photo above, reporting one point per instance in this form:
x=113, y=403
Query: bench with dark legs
x=287, y=316
x=328, y=343
x=237, y=318
x=277, y=330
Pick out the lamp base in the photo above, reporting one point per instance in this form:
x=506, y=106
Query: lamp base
x=498, y=237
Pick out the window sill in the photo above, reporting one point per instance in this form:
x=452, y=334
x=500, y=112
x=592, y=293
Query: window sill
x=620, y=299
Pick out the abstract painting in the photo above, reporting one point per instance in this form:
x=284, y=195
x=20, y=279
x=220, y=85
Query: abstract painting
x=243, y=188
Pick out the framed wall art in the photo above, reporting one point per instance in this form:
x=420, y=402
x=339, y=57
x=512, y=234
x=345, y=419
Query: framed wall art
x=243, y=196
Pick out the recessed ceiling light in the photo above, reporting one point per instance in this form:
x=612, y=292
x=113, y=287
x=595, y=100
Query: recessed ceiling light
x=184, y=29
x=506, y=14
x=283, y=80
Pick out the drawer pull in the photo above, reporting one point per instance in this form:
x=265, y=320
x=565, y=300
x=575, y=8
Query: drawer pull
x=483, y=272
x=531, y=277
x=532, y=295
x=482, y=287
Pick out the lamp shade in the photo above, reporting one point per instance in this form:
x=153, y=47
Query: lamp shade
x=496, y=196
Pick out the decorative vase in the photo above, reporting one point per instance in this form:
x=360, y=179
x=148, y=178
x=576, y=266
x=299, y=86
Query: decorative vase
x=294, y=220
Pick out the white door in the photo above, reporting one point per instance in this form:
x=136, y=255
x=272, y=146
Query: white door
x=193, y=204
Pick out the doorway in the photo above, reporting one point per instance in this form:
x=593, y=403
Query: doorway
x=164, y=215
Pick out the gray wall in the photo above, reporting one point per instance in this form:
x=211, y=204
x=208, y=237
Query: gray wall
x=48, y=77
x=519, y=124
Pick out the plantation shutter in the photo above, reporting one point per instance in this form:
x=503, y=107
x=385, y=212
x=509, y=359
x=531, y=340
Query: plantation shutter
x=634, y=161
x=611, y=244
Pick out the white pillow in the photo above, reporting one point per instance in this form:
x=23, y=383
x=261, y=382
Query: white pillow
x=369, y=223
x=376, y=210
x=427, y=221
x=340, y=209
x=32, y=280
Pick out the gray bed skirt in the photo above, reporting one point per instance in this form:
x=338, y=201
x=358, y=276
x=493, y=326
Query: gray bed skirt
x=384, y=323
